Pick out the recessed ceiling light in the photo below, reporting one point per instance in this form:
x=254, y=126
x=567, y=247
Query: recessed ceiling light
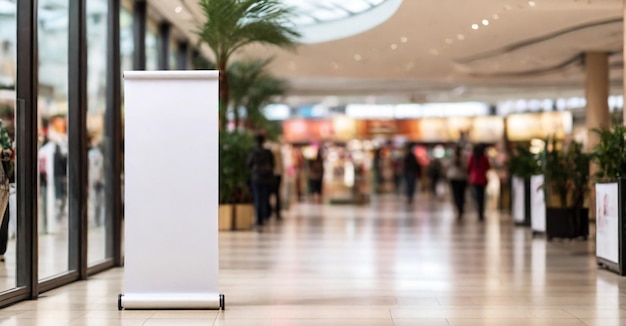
x=508, y=8
x=334, y=65
x=178, y=9
x=531, y=3
x=434, y=52
x=394, y=46
x=404, y=39
x=448, y=41
x=475, y=26
x=357, y=57
x=495, y=17
x=485, y=22
x=460, y=37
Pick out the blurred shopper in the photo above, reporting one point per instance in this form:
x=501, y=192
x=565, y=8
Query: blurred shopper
x=261, y=162
x=278, y=177
x=96, y=184
x=6, y=155
x=477, y=169
x=434, y=171
x=316, y=177
x=412, y=171
x=456, y=173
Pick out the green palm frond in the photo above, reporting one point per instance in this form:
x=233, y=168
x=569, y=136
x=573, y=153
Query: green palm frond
x=232, y=24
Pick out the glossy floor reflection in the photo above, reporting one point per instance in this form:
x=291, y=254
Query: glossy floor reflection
x=379, y=264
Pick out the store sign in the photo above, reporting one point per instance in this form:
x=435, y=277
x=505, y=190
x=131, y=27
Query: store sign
x=522, y=127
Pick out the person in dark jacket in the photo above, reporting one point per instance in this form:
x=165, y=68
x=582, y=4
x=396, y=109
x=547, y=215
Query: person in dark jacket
x=261, y=162
x=412, y=171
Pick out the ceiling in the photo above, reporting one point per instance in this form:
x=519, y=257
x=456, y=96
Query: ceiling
x=428, y=51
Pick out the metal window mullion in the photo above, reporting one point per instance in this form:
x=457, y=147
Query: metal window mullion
x=26, y=137
x=77, y=138
x=164, y=45
x=139, y=34
x=113, y=138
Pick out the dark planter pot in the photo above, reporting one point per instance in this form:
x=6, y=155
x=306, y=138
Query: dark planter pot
x=567, y=223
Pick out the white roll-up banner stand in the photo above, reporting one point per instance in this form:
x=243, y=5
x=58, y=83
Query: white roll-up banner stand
x=171, y=190
x=537, y=204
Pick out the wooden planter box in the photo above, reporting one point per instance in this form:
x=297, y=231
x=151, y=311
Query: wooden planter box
x=567, y=223
x=225, y=217
x=244, y=217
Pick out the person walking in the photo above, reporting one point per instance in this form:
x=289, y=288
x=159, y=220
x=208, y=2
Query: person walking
x=412, y=171
x=456, y=173
x=477, y=169
x=261, y=162
x=316, y=177
x=278, y=178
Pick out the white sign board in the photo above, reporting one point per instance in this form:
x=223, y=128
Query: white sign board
x=537, y=204
x=607, y=224
x=519, y=196
x=171, y=190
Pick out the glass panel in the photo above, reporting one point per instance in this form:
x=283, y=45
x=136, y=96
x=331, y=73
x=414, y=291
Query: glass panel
x=173, y=55
x=152, y=48
x=126, y=39
x=53, y=86
x=96, y=96
x=7, y=116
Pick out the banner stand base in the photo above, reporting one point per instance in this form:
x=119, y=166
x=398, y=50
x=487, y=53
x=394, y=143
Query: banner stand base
x=222, y=305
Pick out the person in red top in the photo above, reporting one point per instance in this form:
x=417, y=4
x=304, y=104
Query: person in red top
x=477, y=168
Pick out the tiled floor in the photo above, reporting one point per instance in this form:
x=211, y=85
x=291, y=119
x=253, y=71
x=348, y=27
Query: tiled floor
x=379, y=264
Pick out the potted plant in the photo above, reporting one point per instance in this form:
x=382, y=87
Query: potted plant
x=609, y=155
x=566, y=173
x=522, y=166
x=236, y=210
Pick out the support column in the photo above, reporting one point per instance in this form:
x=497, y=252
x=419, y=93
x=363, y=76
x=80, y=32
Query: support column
x=164, y=46
x=139, y=34
x=597, y=111
x=597, y=92
x=624, y=58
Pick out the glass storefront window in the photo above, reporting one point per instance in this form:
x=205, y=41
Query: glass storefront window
x=173, y=59
x=127, y=44
x=53, y=153
x=8, y=226
x=152, y=48
x=96, y=95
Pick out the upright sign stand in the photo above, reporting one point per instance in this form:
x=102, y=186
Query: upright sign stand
x=610, y=225
x=171, y=190
x=538, y=204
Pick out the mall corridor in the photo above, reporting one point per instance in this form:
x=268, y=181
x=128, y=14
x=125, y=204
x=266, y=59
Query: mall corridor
x=377, y=264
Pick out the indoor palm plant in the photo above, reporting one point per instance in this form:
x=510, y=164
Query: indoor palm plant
x=232, y=24
x=566, y=173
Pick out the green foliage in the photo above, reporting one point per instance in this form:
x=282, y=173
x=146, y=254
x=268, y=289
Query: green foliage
x=524, y=163
x=232, y=24
x=6, y=110
x=234, y=174
x=253, y=87
x=610, y=154
x=566, y=172
x=579, y=178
